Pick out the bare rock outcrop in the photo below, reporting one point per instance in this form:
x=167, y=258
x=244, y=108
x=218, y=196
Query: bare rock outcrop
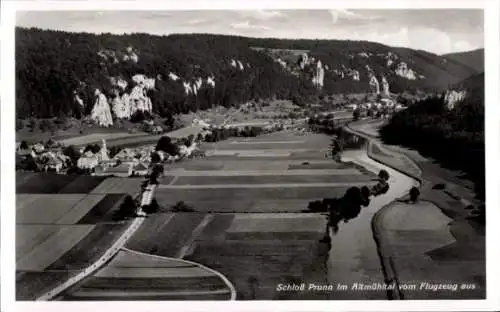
x=355, y=75
x=118, y=82
x=211, y=81
x=281, y=62
x=303, y=60
x=121, y=106
x=173, y=76
x=127, y=104
x=130, y=55
x=402, y=70
x=385, y=87
x=78, y=99
x=452, y=98
x=374, y=85
x=101, y=113
x=319, y=75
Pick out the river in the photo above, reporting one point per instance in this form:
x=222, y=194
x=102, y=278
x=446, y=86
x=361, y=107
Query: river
x=353, y=257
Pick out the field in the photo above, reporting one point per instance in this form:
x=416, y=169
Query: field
x=61, y=229
x=420, y=239
x=255, y=251
x=47, y=183
x=250, y=219
x=136, y=276
x=250, y=222
x=118, y=186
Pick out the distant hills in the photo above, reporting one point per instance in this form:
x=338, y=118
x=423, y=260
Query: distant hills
x=474, y=59
x=58, y=72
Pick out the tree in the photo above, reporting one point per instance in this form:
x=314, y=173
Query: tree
x=190, y=140
x=155, y=157
x=365, y=196
x=19, y=124
x=182, y=207
x=94, y=148
x=199, y=137
x=317, y=206
x=414, y=193
x=139, y=116
x=23, y=145
x=28, y=164
x=46, y=125
x=127, y=208
x=383, y=175
x=32, y=124
x=113, y=150
x=165, y=144
x=72, y=153
x=356, y=114
x=153, y=207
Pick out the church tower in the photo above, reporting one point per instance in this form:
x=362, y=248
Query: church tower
x=104, y=151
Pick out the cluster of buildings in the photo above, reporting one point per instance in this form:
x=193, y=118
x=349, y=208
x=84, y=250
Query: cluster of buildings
x=384, y=106
x=45, y=158
x=127, y=162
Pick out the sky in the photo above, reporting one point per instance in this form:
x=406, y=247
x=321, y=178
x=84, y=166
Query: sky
x=438, y=31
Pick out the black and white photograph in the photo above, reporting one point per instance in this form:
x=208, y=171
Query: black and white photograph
x=249, y=155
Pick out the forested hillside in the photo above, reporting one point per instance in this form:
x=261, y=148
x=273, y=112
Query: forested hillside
x=473, y=59
x=58, y=73
x=454, y=137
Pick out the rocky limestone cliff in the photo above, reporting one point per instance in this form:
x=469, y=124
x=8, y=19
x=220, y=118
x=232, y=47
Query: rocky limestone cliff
x=211, y=81
x=173, y=76
x=118, y=82
x=129, y=55
x=237, y=64
x=281, y=62
x=402, y=70
x=145, y=82
x=355, y=75
x=101, y=113
x=390, y=58
x=121, y=106
x=78, y=99
x=374, y=84
x=319, y=75
x=303, y=60
x=452, y=98
x=385, y=87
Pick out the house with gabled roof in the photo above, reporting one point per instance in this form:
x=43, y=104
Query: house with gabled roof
x=140, y=169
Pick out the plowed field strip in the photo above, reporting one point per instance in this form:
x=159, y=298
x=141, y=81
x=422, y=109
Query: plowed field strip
x=89, y=248
x=212, y=173
x=29, y=236
x=46, y=253
x=204, y=180
x=104, y=210
x=155, y=273
x=45, y=183
x=47, y=210
x=153, y=237
x=169, y=195
x=80, y=209
x=82, y=184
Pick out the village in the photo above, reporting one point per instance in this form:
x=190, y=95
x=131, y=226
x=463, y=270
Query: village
x=98, y=160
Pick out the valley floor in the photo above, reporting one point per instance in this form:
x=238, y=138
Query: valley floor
x=430, y=241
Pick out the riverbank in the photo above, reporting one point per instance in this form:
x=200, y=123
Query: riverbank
x=430, y=241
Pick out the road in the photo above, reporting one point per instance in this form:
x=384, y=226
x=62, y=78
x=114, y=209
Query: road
x=147, y=196
x=353, y=256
